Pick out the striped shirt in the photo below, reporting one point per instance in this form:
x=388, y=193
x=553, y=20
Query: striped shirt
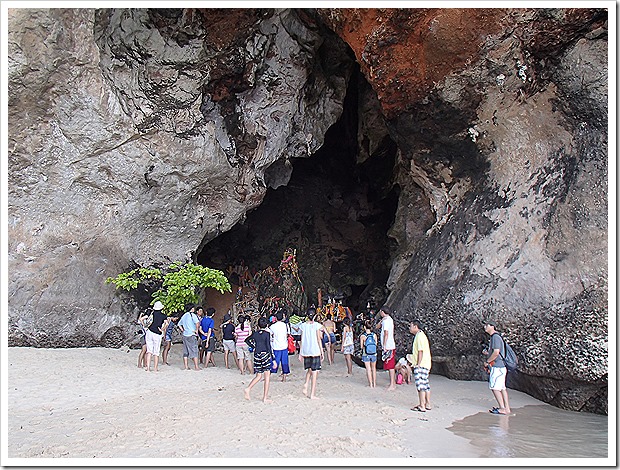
x=242, y=334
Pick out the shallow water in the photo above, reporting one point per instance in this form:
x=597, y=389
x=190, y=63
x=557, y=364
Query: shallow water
x=538, y=431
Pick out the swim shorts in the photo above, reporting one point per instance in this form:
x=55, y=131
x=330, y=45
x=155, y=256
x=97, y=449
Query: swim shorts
x=420, y=375
x=312, y=362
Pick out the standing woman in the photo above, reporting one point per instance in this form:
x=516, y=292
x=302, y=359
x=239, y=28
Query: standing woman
x=263, y=358
x=154, y=335
x=347, y=344
x=368, y=344
x=242, y=331
x=142, y=356
x=168, y=338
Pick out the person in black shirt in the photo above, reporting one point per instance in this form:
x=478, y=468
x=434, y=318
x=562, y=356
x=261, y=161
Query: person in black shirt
x=228, y=339
x=263, y=357
x=154, y=333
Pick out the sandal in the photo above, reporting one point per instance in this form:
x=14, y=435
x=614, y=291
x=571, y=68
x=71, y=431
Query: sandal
x=428, y=408
x=418, y=408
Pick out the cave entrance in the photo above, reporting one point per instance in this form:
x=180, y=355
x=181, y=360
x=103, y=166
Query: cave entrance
x=335, y=212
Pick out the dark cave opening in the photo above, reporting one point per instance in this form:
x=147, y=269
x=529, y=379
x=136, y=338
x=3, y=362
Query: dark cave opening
x=335, y=211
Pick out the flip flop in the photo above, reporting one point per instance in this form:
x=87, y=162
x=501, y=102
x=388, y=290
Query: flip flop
x=417, y=408
x=495, y=411
x=428, y=408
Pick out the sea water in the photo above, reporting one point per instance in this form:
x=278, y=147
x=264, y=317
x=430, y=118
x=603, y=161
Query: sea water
x=537, y=431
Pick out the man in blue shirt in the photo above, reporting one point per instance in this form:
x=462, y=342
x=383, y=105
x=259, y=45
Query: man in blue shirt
x=207, y=333
x=189, y=328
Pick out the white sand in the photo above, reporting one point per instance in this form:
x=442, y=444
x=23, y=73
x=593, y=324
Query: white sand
x=85, y=403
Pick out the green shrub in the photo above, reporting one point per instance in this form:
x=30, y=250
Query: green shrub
x=179, y=284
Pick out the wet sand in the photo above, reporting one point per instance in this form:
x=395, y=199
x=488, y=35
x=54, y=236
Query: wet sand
x=96, y=403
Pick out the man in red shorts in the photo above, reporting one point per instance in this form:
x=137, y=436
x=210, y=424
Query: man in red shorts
x=388, y=344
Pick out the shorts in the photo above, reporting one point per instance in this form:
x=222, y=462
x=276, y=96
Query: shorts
x=153, y=343
x=420, y=374
x=210, y=347
x=348, y=349
x=262, y=362
x=190, y=346
x=312, y=362
x=497, y=378
x=243, y=352
x=296, y=337
x=369, y=358
x=329, y=338
x=390, y=362
x=229, y=345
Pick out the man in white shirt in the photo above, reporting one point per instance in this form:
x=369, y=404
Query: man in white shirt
x=279, y=345
x=388, y=344
x=311, y=350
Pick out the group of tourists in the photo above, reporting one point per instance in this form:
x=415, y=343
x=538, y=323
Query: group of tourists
x=264, y=351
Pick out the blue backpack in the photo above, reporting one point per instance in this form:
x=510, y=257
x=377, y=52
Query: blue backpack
x=370, y=344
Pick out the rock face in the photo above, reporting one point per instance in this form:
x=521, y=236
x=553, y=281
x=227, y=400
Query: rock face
x=138, y=137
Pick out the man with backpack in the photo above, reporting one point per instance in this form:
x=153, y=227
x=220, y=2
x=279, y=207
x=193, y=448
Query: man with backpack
x=494, y=363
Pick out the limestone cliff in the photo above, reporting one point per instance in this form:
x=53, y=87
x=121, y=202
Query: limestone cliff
x=140, y=136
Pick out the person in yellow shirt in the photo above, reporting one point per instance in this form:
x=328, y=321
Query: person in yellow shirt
x=421, y=361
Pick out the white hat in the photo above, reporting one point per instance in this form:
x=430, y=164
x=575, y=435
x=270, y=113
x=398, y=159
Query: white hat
x=158, y=306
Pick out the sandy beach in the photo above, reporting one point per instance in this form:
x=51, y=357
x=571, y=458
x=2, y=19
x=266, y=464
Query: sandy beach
x=96, y=403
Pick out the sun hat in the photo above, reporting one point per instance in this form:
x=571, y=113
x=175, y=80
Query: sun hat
x=158, y=306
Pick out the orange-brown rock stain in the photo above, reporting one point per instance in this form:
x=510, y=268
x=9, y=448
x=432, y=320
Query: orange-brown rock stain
x=404, y=53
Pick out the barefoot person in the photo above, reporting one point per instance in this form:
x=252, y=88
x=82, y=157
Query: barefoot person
x=142, y=356
x=189, y=324
x=279, y=337
x=388, y=344
x=311, y=351
x=421, y=360
x=347, y=344
x=329, y=338
x=497, y=369
x=260, y=341
x=228, y=340
x=242, y=331
x=368, y=345
x=154, y=333
x=207, y=331
x=168, y=339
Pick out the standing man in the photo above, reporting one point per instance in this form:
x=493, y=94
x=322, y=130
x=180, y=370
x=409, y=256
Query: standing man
x=188, y=324
x=228, y=340
x=154, y=333
x=311, y=350
x=388, y=344
x=421, y=360
x=279, y=345
x=207, y=330
x=497, y=369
